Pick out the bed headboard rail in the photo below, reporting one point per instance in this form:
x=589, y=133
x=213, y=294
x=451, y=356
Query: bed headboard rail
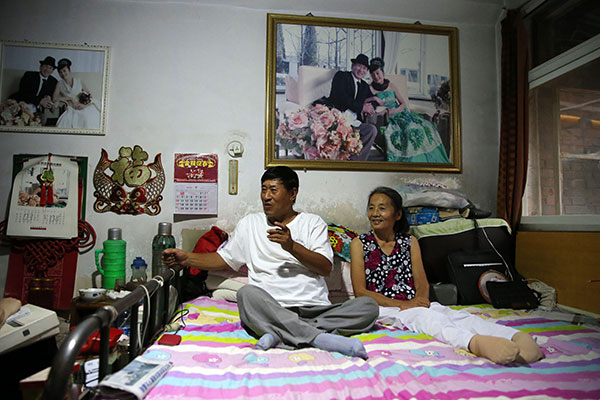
x=102, y=319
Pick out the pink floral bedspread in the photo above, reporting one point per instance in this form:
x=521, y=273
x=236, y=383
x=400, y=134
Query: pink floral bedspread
x=216, y=360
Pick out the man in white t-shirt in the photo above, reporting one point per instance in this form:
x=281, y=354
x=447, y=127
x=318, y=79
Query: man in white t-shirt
x=288, y=255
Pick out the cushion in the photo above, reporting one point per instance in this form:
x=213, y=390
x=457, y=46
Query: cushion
x=208, y=243
x=340, y=238
x=339, y=281
x=291, y=89
x=313, y=83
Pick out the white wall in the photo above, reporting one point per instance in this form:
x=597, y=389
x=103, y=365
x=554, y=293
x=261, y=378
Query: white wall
x=190, y=77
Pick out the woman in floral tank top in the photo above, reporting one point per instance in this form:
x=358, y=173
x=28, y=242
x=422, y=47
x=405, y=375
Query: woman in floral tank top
x=387, y=267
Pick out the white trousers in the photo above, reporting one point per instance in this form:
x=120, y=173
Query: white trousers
x=455, y=327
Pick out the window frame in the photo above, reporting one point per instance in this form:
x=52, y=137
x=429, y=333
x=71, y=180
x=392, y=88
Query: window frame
x=551, y=69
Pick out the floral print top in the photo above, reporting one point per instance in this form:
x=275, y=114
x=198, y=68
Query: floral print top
x=390, y=275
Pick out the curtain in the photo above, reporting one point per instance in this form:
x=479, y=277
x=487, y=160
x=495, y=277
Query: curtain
x=512, y=171
x=390, y=57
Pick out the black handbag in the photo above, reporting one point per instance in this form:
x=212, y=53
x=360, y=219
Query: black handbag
x=466, y=266
x=513, y=294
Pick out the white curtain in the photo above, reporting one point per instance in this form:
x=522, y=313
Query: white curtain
x=390, y=58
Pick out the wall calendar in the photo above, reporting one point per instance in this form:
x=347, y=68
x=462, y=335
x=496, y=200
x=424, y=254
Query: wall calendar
x=196, y=183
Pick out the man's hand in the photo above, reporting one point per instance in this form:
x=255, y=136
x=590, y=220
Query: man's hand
x=368, y=109
x=174, y=256
x=281, y=235
x=374, y=99
x=8, y=306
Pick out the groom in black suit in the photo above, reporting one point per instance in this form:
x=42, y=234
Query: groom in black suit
x=348, y=92
x=36, y=87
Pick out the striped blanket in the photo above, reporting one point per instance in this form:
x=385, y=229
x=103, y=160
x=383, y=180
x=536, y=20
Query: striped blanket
x=216, y=360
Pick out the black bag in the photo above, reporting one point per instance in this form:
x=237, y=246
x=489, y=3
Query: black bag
x=193, y=286
x=513, y=294
x=465, y=267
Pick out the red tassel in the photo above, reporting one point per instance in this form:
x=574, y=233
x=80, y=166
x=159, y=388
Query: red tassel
x=43, y=196
x=50, y=196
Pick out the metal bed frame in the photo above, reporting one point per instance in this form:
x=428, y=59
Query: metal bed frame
x=56, y=386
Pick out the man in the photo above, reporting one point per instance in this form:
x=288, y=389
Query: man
x=37, y=88
x=287, y=254
x=348, y=92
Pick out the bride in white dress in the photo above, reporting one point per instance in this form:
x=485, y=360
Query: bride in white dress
x=82, y=110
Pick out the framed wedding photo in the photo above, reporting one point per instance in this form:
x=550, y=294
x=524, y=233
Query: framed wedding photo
x=53, y=88
x=346, y=94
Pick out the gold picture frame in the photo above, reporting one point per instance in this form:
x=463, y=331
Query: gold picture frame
x=304, y=53
x=79, y=108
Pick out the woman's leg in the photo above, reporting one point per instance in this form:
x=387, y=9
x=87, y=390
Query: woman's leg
x=487, y=332
x=474, y=324
x=431, y=322
x=440, y=324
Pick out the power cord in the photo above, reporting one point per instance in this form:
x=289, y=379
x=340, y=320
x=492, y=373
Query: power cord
x=482, y=229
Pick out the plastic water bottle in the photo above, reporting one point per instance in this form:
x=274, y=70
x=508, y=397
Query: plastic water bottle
x=162, y=241
x=138, y=270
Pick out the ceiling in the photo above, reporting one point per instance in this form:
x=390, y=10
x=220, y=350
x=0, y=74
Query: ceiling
x=480, y=12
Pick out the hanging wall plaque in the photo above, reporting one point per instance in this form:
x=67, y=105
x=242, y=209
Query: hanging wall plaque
x=126, y=185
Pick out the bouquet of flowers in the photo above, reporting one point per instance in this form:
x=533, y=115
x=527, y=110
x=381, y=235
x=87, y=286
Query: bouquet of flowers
x=17, y=113
x=84, y=98
x=318, y=132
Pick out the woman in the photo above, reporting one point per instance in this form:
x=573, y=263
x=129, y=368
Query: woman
x=387, y=267
x=81, y=110
x=409, y=137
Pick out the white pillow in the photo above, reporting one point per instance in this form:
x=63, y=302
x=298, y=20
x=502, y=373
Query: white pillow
x=291, y=89
x=313, y=83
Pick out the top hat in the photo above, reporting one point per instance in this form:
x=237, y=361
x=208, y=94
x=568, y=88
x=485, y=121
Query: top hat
x=48, y=61
x=361, y=59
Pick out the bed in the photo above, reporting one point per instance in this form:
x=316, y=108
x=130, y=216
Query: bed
x=216, y=360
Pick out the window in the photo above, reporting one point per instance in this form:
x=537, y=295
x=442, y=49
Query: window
x=563, y=177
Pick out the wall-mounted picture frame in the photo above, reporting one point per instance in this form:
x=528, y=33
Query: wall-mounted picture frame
x=53, y=88
x=401, y=113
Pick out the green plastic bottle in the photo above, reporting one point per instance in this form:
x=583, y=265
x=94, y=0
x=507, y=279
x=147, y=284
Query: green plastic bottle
x=112, y=265
x=162, y=241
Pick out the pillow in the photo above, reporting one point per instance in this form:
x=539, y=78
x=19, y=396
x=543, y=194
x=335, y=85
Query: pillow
x=208, y=243
x=339, y=282
x=340, y=238
x=291, y=89
x=313, y=83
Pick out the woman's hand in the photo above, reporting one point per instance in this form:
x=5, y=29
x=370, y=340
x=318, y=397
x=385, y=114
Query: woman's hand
x=368, y=109
x=46, y=102
x=398, y=109
x=416, y=302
